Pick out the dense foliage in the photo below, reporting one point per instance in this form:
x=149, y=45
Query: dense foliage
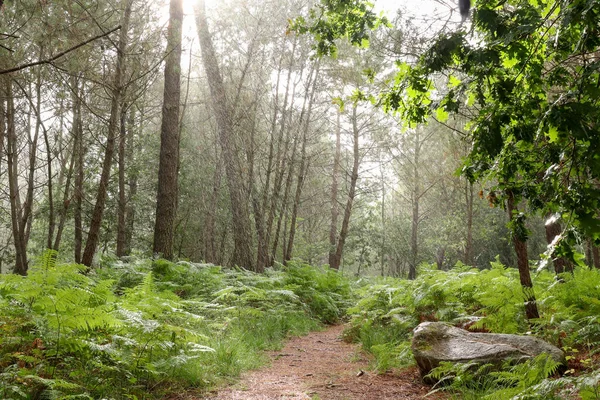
x=529, y=78
x=146, y=328
x=489, y=301
x=525, y=78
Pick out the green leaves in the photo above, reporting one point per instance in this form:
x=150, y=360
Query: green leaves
x=333, y=19
x=527, y=77
x=105, y=334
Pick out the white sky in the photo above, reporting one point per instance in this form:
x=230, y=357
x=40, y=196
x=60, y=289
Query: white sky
x=422, y=10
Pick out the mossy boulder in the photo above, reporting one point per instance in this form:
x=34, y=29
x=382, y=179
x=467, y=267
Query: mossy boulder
x=434, y=342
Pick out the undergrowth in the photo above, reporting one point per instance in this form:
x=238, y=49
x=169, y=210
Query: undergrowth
x=488, y=300
x=142, y=329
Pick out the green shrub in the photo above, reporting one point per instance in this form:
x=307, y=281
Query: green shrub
x=490, y=300
x=145, y=328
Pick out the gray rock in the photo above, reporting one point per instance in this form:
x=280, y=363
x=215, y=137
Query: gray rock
x=434, y=342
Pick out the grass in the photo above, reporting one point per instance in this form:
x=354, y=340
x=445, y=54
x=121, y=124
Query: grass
x=143, y=329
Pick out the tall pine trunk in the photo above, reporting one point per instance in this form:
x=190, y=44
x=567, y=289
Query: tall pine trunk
x=351, y=193
x=334, y=193
x=78, y=156
x=242, y=232
x=166, y=200
x=13, y=183
x=209, y=233
x=122, y=202
x=132, y=181
x=303, y=168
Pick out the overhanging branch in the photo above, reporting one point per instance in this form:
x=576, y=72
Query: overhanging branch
x=59, y=55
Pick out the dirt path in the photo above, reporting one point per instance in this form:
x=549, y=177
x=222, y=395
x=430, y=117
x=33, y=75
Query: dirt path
x=321, y=366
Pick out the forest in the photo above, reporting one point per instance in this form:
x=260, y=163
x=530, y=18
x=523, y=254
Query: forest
x=187, y=184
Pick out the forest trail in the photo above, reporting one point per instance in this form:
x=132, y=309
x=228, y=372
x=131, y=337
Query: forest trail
x=322, y=366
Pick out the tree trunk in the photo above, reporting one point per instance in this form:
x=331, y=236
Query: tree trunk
x=302, y=171
x=78, y=155
x=531, y=310
x=132, y=182
x=96, y=221
x=122, y=202
x=596, y=256
x=13, y=184
x=51, y=212
x=264, y=226
x=592, y=254
x=416, y=197
x=242, y=233
x=65, y=204
x=166, y=200
x=468, y=260
x=281, y=158
x=334, y=193
x=210, y=242
x=284, y=203
x=383, y=226
x=553, y=230
x=351, y=193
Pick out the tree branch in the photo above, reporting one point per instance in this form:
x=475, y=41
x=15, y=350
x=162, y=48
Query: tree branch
x=59, y=55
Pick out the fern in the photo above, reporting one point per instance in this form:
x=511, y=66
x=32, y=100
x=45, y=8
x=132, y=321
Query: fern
x=521, y=381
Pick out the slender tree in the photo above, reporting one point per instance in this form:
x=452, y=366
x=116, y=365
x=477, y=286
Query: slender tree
x=304, y=163
x=242, y=232
x=519, y=237
x=113, y=127
x=333, y=226
x=341, y=240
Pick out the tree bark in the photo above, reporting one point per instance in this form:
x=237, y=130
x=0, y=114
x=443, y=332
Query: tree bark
x=13, y=184
x=281, y=158
x=416, y=197
x=65, y=204
x=553, y=230
x=166, y=200
x=264, y=227
x=351, y=193
x=531, y=310
x=284, y=202
x=303, y=168
x=132, y=182
x=383, y=225
x=113, y=126
x=78, y=156
x=242, y=233
x=210, y=242
x=468, y=260
x=334, y=193
x=122, y=202
x=596, y=256
x=51, y=212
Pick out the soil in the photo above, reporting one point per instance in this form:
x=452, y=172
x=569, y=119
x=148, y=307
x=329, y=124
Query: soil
x=322, y=366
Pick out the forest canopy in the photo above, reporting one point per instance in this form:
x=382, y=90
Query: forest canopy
x=525, y=75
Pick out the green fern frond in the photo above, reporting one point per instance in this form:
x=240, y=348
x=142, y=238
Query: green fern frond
x=49, y=258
